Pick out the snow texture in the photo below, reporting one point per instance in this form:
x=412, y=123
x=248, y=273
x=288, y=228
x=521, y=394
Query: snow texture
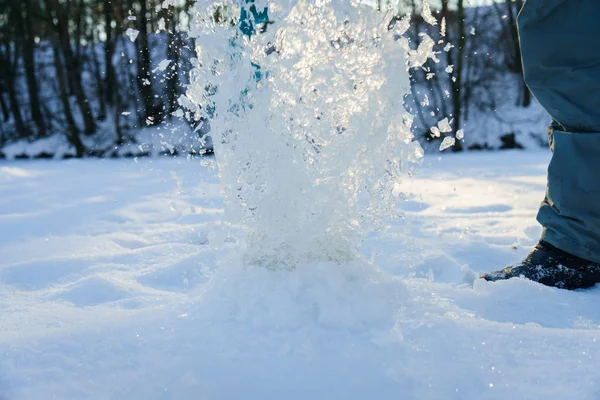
x=175, y=137
x=108, y=292
x=315, y=262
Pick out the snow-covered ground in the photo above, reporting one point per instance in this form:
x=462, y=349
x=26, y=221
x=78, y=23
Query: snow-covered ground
x=164, y=139
x=119, y=280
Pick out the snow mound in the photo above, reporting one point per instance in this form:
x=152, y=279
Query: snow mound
x=158, y=304
x=354, y=296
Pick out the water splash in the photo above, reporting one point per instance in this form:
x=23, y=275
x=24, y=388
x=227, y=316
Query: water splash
x=308, y=124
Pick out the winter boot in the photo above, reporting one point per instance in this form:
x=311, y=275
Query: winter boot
x=551, y=267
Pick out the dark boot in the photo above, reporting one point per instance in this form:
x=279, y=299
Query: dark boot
x=551, y=267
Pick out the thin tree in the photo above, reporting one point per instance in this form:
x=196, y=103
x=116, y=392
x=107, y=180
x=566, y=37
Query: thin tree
x=72, y=133
x=59, y=17
x=24, y=16
x=509, y=45
x=9, y=57
x=143, y=64
x=455, y=58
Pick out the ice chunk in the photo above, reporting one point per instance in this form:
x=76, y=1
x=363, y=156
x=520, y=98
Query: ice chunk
x=460, y=134
x=435, y=132
x=426, y=14
x=162, y=65
x=402, y=26
x=444, y=126
x=418, y=58
x=132, y=34
x=161, y=24
x=449, y=69
x=448, y=141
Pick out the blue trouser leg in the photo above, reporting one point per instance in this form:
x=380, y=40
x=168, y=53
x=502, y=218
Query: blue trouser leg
x=560, y=45
x=250, y=16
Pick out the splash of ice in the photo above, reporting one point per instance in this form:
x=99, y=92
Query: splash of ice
x=308, y=123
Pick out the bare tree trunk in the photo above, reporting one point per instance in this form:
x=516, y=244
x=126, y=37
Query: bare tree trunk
x=99, y=80
x=143, y=63
x=526, y=93
x=173, y=55
x=61, y=25
x=456, y=58
x=413, y=8
x=511, y=47
x=514, y=35
x=109, y=50
x=117, y=117
x=26, y=29
x=3, y=106
x=457, y=97
x=22, y=130
x=72, y=131
x=9, y=68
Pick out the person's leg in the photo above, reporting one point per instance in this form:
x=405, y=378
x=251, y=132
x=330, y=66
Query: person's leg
x=560, y=42
x=559, y=45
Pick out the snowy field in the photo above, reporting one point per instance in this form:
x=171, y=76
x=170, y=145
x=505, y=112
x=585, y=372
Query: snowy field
x=119, y=280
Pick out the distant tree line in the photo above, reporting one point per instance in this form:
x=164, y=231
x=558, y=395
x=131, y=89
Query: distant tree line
x=479, y=63
x=67, y=66
x=71, y=67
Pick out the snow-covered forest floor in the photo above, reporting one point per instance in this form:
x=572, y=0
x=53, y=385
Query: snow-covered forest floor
x=119, y=280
